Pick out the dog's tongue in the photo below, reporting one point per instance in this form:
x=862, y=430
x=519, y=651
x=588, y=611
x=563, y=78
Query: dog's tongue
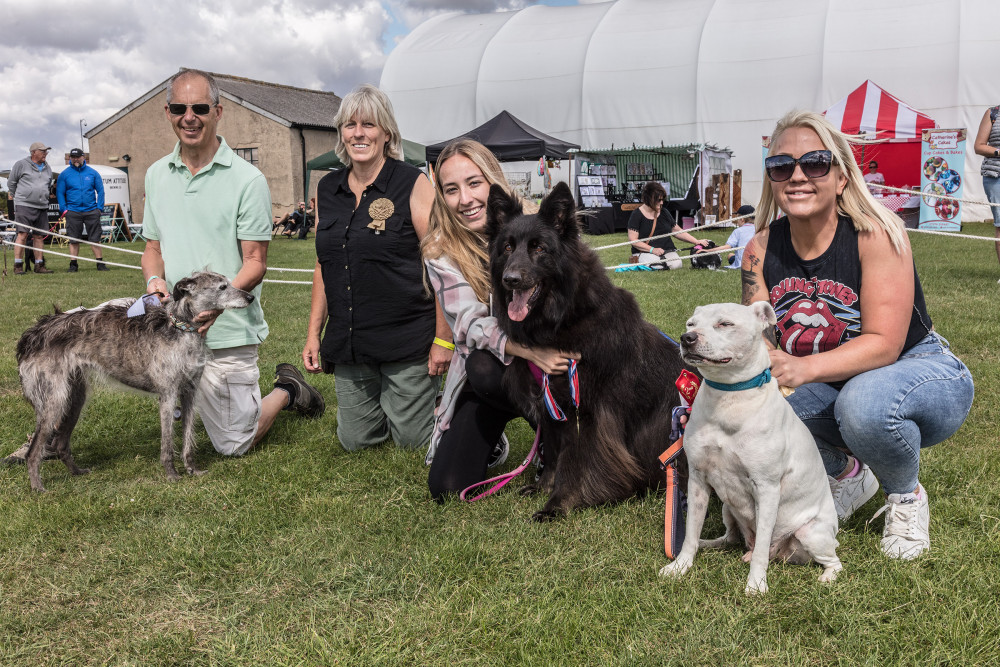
x=517, y=310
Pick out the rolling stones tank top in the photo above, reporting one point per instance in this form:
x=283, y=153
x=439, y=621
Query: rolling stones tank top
x=818, y=302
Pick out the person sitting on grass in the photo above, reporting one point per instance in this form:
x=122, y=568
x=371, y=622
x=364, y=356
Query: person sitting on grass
x=740, y=236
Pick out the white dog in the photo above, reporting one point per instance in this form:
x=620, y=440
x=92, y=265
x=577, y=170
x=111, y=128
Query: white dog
x=745, y=442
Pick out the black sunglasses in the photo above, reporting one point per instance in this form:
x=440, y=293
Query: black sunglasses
x=181, y=109
x=814, y=164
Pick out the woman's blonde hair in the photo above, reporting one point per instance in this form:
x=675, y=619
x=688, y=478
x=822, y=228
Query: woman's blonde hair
x=368, y=103
x=448, y=234
x=856, y=202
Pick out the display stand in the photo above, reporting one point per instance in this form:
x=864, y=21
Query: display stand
x=113, y=224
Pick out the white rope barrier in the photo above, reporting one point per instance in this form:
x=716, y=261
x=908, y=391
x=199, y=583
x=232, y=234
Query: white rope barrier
x=63, y=254
x=136, y=252
x=918, y=193
x=139, y=252
x=663, y=236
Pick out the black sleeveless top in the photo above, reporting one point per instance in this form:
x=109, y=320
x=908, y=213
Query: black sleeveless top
x=818, y=302
x=643, y=225
x=377, y=307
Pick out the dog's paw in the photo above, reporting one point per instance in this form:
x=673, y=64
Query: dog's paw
x=758, y=587
x=173, y=476
x=81, y=471
x=676, y=568
x=197, y=472
x=830, y=573
x=528, y=490
x=546, y=515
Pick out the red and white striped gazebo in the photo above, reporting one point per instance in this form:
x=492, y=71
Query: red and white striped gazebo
x=872, y=111
x=895, y=127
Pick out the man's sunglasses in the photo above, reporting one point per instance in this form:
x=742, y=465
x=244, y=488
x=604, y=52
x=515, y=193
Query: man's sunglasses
x=814, y=164
x=181, y=109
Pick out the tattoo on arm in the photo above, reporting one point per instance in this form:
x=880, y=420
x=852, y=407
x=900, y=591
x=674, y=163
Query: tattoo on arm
x=749, y=285
x=750, y=277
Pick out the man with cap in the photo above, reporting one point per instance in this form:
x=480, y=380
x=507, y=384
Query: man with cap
x=28, y=183
x=80, y=192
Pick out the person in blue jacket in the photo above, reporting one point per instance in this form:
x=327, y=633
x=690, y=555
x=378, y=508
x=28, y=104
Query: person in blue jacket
x=80, y=192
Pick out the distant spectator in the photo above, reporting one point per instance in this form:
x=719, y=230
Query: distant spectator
x=874, y=178
x=988, y=145
x=650, y=219
x=80, y=192
x=28, y=183
x=740, y=236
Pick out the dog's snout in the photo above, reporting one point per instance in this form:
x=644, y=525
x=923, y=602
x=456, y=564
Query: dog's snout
x=512, y=280
x=250, y=298
x=689, y=337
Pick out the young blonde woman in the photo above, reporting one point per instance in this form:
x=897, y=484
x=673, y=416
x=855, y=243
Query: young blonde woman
x=873, y=381
x=474, y=406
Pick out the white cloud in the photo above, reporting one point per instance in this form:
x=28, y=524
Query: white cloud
x=66, y=60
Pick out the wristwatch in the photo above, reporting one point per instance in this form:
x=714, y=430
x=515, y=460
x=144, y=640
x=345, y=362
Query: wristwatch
x=996, y=152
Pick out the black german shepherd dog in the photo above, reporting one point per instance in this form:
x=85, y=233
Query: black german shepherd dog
x=551, y=290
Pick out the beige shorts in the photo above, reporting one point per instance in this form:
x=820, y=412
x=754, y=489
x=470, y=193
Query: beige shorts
x=670, y=260
x=229, y=399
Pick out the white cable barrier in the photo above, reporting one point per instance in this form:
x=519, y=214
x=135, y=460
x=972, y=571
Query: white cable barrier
x=707, y=253
x=139, y=252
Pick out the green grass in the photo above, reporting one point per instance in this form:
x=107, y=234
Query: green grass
x=302, y=554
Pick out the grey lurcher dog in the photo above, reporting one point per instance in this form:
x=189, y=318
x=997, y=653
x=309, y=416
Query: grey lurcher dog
x=744, y=441
x=159, y=352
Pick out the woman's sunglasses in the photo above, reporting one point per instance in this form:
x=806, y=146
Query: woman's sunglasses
x=814, y=164
x=181, y=109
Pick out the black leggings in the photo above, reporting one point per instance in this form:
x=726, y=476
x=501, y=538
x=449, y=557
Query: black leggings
x=482, y=409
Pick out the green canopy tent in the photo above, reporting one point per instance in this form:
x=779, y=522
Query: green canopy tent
x=413, y=153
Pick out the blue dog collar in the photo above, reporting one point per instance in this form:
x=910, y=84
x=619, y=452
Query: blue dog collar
x=756, y=381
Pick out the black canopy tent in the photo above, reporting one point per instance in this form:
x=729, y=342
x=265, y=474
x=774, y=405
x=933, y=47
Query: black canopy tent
x=510, y=139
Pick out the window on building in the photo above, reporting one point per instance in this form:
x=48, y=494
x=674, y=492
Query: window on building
x=248, y=154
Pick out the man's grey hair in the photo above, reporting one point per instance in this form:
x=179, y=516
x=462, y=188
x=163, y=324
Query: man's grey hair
x=213, y=87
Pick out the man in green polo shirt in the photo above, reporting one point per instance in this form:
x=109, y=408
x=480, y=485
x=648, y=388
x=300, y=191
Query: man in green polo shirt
x=206, y=208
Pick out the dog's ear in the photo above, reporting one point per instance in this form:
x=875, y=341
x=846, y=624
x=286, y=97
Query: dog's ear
x=500, y=208
x=182, y=288
x=559, y=210
x=765, y=313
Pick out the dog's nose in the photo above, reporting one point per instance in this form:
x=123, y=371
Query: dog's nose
x=251, y=297
x=512, y=280
x=689, y=338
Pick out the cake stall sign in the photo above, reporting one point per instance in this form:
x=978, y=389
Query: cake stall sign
x=942, y=155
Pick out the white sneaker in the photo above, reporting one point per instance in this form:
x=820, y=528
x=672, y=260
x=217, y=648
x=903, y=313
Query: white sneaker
x=906, y=534
x=850, y=494
x=500, y=452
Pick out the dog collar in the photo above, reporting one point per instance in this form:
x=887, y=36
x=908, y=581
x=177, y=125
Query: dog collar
x=183, y=326
x=756, y=381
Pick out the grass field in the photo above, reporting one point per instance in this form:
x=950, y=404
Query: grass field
x=302, y=554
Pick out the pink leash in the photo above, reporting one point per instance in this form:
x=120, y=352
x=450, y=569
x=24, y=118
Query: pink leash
x=504, y=479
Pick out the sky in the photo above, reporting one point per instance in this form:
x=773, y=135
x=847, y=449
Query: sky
x=67, y=65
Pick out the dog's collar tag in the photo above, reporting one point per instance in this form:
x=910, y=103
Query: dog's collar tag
x=758, y=380
x=139, y=307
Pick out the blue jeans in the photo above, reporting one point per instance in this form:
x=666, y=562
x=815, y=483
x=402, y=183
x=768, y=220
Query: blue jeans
x=992, y=187
x=885, y=416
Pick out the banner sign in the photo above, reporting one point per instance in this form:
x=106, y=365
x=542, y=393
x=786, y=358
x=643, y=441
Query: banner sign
x=942, y=155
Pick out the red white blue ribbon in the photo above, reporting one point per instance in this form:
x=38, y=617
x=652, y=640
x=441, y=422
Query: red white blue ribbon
x=574, y=391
